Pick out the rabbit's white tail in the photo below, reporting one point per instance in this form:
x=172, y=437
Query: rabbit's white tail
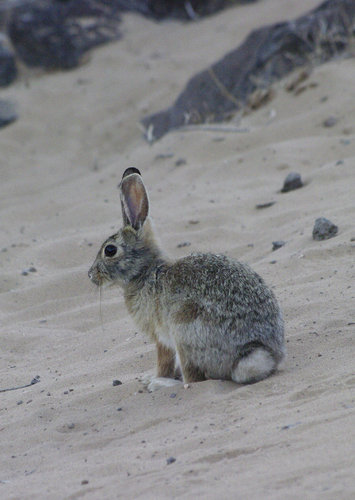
x=256, y=366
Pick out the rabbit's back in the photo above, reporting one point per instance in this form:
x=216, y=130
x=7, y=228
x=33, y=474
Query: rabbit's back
x=216, y=304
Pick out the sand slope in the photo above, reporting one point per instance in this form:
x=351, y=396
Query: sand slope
x=74, y=435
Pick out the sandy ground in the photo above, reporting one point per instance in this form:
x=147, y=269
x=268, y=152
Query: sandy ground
x=74, y=435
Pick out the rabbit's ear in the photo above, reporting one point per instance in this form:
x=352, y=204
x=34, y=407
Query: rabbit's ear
x=134, y=199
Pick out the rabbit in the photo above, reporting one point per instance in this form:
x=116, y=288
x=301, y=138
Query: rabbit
x=210, y=317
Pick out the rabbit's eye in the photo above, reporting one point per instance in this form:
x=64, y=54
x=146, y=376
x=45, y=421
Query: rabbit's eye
x=110, y=250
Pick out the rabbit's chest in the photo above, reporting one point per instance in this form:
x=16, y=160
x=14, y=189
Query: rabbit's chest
x=146, y=311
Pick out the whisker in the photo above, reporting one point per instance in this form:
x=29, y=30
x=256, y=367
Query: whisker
x=101, y=317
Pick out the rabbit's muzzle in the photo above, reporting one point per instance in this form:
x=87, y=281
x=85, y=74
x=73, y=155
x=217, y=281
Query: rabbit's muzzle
x=97, y=275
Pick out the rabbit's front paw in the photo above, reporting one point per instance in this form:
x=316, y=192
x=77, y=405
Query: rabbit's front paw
x=147, y=378
x=158, y=382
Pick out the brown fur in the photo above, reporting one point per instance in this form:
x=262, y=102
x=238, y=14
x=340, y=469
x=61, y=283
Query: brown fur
x=187, y=313
x=166, y=361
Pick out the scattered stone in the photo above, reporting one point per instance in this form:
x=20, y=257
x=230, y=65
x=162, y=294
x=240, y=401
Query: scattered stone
x=71, y=426
x=183, y=244
x=116, y=382
x=8, y=113
x=180, y=162
x=273, y=261
x=164, y=156
x=290, y=426
x=292, y=181
x=268, y=204
x=119, y=409
x=330, y=121
x=339, y=162
x=173, y=395
x=84, y=481
x=324, y=229
x=194, y=222
x=170, y=460
x=278, y=244
x=32, y=270
x=20, y=402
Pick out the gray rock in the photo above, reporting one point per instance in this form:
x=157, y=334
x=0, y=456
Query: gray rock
x=324, y=229
x=278, y=244
x=8, y=70
x=292, y=181
x=8, y=113
x=267, y=204
x=330, y=121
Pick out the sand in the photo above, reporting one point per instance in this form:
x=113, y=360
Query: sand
x=75, y=435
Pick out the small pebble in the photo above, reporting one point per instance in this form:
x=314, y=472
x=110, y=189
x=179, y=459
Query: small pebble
x=71, y=426
x=170, y=460
x=180, y=161
x=183, y=244
x=173, y=395
x=164, y=156
x=268, y=204
x=116, y=382
x=324, y=229
x=84, y=481
x=330, y=121
x=277, y=244
x=292, y=181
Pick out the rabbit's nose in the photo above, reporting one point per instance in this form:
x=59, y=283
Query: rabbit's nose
x=91, y=273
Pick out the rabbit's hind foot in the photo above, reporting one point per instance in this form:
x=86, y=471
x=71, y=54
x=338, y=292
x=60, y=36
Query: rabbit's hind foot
x=255, y=366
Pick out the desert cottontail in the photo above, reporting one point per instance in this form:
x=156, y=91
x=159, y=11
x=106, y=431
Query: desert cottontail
x=210, y=316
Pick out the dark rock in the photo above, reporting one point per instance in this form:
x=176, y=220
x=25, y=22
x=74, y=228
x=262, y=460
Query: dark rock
x=8, y=113
x=268, y=204
x=278, y=244
x=8, y=69
x=56, y=35
x=170, y=460
x=330, y=121
x=116, y=382
x=324, y=229
x=292, y=181
x=193, y=9
x=267, y=55
x=180, y=161
x=183, y=244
